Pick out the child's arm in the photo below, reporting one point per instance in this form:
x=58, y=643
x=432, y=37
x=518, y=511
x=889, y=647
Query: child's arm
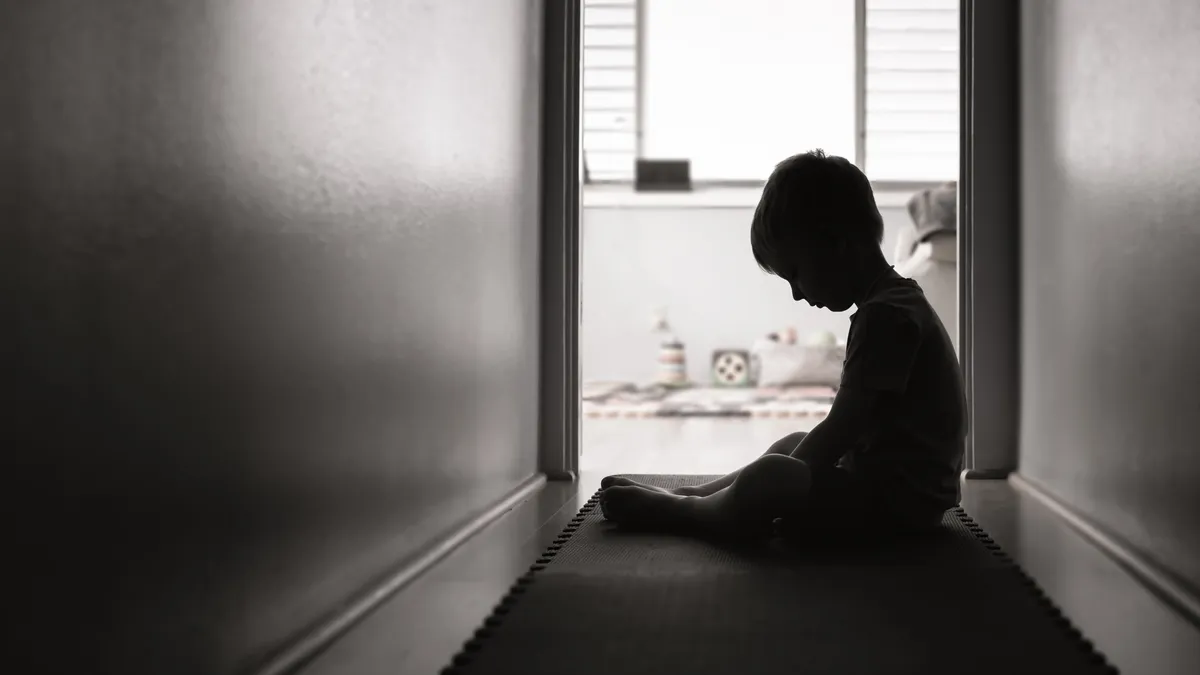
x=845, y=427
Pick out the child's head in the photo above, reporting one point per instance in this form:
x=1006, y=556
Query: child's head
x=817, y=227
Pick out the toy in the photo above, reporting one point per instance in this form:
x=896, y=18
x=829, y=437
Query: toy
x=786, y=336
x=731, y=368
x=672, y=356
x=778, y=360
x=822, y=338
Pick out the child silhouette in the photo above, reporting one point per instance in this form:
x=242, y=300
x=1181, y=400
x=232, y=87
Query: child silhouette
x=889, y=454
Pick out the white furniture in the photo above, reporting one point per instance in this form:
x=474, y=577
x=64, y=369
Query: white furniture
x=934, y=265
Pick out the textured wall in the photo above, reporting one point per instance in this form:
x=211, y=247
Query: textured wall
x=269, y=277
x=1110, y=251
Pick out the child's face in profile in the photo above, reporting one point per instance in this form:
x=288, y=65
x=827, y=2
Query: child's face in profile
x=817, y=273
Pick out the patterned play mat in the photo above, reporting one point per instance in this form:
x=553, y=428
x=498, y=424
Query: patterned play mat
x=619, y=400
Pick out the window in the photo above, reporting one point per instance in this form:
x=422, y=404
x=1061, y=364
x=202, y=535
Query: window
x=911, y=125
x=733, y=85
x=609, y=109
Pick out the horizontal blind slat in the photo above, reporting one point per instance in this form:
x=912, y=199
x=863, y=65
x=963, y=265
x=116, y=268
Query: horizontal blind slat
x=610, y=16
x=912, y=41
x=603, y=38
x=609, y=100
x=912, y=121
x=912, y=5
x=624, y=78
x=913, y=80
x=912, y=60
x=598, y=141
x=891, y=19
x=592, y=119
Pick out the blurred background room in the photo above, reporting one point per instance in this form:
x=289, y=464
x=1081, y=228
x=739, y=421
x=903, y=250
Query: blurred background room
x=693, y=359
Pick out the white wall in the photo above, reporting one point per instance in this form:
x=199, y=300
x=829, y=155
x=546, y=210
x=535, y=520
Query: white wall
x=271, y=311
x=1109, y=240
x=697, y=263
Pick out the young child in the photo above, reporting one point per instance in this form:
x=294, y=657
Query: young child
x=889, y=454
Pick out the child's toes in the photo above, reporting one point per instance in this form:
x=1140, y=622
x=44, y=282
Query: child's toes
x=616, y=481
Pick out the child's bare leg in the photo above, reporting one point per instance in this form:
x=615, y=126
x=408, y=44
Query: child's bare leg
x=770, y=487
x=783, y=446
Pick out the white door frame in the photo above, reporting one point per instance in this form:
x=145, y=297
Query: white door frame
x=989, y=230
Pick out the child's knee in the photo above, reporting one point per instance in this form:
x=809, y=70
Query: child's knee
x=772, y=481
x=779, y=465
x=788, y=444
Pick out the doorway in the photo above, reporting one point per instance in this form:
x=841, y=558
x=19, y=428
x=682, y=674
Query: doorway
x=642, y=273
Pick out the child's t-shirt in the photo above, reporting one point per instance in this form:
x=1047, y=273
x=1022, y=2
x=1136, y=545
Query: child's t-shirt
x=913, y=454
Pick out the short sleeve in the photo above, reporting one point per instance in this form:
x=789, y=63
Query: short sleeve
x=882, y=350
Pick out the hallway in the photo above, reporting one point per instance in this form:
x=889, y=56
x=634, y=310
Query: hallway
x=419, y=630
x=291, y=291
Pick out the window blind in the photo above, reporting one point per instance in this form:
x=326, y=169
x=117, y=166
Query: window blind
x=609, y=108
x=911, y=98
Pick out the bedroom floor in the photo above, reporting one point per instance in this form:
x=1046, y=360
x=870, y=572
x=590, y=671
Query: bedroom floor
x=703, y=445
x=420, y=629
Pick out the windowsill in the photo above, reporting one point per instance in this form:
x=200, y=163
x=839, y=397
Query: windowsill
x=704, y=197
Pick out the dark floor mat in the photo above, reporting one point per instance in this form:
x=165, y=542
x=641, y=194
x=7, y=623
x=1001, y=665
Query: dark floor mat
x=606, y=601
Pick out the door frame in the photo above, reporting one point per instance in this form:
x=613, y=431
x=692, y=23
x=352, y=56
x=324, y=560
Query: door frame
x=988, y=237
x=989, y=233
x=558, y=405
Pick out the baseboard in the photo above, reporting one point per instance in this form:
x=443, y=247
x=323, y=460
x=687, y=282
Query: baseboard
x=321, y=636
x=1160, y=582
x=986, y=474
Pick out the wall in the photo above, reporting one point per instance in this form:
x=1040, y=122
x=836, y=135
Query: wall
x=1110, y=237
x=269, y=281
x=696, y=262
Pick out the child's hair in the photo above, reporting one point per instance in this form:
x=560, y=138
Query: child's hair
x=812, y=192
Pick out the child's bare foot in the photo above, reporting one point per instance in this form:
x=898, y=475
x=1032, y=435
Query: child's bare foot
x=648, y=509
x=641, y=506
x=621, y=481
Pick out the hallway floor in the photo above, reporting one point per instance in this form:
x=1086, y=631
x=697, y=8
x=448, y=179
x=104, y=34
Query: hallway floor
x=420, y=629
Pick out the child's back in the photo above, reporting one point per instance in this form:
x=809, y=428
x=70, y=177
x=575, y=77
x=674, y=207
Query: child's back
x=911, y=455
